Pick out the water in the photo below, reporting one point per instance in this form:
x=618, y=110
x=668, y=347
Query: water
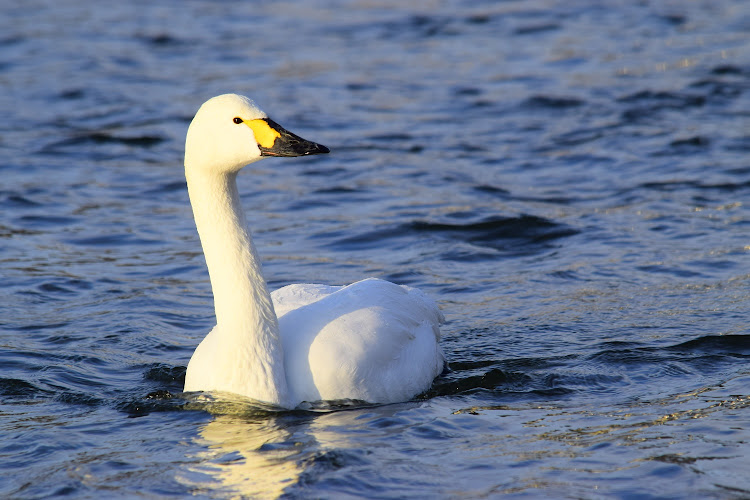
x=569, y=181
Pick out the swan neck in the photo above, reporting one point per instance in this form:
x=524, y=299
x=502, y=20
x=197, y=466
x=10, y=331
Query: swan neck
x=231, y=257
x=245, y=317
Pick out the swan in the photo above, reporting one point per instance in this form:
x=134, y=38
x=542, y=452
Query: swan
x=373, y=340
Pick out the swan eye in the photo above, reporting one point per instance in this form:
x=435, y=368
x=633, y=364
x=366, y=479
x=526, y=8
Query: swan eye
x=237, y=120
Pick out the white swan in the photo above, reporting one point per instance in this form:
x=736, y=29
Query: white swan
x=372, y=340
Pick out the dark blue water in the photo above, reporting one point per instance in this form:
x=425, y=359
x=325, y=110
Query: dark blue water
x=569, y=180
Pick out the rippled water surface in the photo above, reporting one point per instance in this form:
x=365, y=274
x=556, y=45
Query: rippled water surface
x=569, y=180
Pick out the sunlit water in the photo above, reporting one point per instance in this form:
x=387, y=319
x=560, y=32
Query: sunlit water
x=570, y=181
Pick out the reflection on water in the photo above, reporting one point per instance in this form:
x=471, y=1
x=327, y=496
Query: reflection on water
x=256, y=452
x=250, y=450
x=251, y=458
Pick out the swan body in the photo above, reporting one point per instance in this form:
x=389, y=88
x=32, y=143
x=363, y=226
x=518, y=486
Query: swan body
x=372, y=340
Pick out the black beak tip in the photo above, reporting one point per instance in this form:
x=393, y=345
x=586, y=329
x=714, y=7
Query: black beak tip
x=312, y=148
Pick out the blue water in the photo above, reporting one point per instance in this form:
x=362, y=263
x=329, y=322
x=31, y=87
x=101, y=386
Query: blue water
x=569, y=180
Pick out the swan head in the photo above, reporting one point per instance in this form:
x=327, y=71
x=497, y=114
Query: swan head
x=229, y=131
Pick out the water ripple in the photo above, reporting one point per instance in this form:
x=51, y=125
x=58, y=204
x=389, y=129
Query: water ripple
x=567, y=181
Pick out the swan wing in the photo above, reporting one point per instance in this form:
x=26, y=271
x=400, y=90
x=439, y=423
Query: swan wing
x=372, y=340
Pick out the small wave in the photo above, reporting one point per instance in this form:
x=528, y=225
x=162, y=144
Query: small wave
x=165, y=374
x=493, y=190
x=17, y=388
x=338, y=190
x=499, y=233
x=695, y=141
x=723, y=345
x=534, y=29
x=168, y=187
x=493, y=379
x=728, y=69
x=609, y=370
x=140, y=407
x=731, y=345
x=681, y=185
x=551, y=102
x=721, y=89
x=112, y=240
x=13, y=199
x=79, y=398
x=72, y=94
x=161, y=40
x=664, y=99
x=647, y=103
x=46, y=220
x=104, y=138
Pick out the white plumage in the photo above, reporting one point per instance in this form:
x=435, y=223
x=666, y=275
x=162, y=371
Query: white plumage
x=372, y=340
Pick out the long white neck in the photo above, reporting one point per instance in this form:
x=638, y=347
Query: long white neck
x=246, y=323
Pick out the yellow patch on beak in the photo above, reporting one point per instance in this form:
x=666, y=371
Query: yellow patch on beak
x=264, y=133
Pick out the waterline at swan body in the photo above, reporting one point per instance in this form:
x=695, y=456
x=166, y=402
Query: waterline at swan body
x=372, y=340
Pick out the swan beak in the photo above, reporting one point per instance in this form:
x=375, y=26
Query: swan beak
x=275, y=140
